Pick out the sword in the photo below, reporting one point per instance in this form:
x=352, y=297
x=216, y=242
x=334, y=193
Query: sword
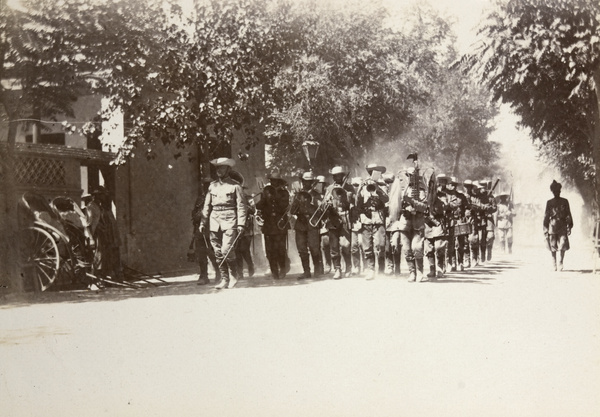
x=231, y=248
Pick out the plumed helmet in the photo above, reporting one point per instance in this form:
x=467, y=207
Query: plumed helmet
x=555, y=186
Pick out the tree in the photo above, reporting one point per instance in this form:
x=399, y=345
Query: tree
x=216, y=77
x=541, y=57
x=53, y=51
x=452, y=128
x=355, y=82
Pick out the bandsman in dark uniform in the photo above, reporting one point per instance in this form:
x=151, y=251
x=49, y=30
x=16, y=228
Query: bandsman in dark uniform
x=459, y=228
x=308, y=238
x=225, y=216
x=272, y=208
x=481, y=206
x=321, y=188
x=243, y=250
x=339, y=197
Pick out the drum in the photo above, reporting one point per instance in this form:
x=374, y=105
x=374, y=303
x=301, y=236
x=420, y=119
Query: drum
x=461, y=229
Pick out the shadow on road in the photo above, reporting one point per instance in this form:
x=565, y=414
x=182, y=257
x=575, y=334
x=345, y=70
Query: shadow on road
x=482, y=274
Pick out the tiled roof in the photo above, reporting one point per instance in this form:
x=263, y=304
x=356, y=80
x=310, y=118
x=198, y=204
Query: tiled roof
x=61, y=151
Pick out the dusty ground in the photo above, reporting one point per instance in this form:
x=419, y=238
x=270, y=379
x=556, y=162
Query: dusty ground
x=511, y=338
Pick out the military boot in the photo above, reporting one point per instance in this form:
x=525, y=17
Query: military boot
x=419, y=270
x=233, y=266
x=224, y=274
x=305, y=266
x=431, y=261
x=411, y=269
x=441, y=265
x=222, y=284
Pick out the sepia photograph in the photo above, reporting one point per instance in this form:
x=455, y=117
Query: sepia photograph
x=300, y=208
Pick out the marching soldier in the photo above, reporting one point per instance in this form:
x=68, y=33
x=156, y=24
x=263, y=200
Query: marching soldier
x=370, y=202
x=481, y=206
x=203, y=252
x=324, y=230
x=225, y=215
x=459, y=227
x=273, y=207
x=308, y=240
x=473, y=239
x=393, y=249
x=356, y=251
x=339, y=196
x=558, y=223
x=412, y=223
x=491, y=223
x=504, y=222
x=242, y=250
x=436, y=238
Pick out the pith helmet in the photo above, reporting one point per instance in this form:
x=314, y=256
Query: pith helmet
x=356, y=181
x=442, y=179
x=308, y=176
x=223, y=161
x=338, y=169
x=376, y=167
x=388, y=178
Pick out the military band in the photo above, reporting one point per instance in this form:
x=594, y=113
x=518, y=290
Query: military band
x=354, y=226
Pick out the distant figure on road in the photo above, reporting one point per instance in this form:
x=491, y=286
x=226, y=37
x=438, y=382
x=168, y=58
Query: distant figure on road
x=558, y=223
x=504, y=222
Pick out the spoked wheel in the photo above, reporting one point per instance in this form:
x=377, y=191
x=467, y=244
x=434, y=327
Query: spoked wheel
x=40, y=258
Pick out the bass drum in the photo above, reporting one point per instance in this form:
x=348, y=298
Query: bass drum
x=462, y=229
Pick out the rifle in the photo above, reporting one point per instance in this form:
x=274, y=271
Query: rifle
x=494, y=187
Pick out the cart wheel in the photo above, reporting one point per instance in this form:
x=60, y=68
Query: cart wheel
x=40, y=258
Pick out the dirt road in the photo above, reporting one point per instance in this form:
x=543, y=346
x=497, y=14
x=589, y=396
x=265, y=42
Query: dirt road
x=510, y=338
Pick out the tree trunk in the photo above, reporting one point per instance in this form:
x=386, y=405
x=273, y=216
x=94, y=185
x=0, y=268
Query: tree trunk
x=9, y=249
x=596, y=141
x=10, y=275
x=456, y=163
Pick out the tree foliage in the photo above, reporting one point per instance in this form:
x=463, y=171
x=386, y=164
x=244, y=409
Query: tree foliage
x=452, y=129
x=541, y=57
x=356, y=81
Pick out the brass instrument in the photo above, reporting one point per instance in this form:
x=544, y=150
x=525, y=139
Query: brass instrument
x=292, y=209
x=324, y=206
x=370, y=185
x=301, y=197
x=259, y=219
